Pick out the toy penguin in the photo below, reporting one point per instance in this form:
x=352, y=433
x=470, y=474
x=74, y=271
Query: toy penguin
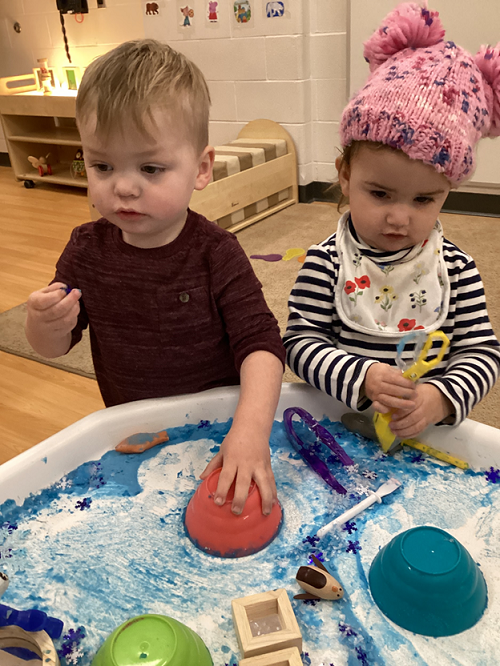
x=4, y=582
x=318, y=582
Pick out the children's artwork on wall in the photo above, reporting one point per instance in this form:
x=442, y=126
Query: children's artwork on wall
x=242, y=11
x=72, y=77
x=275, y=9
x=151, y=8
x=212, y=12
x=187, y=16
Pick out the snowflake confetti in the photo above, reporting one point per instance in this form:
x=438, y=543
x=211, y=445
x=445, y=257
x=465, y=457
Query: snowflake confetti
x=71, y=645
x=362, y=657
x=346, y=629
x=318, y=555
x=204, y=424
x=350, y=527
x=10, y=527
x=361, y=490
x=417, y=459
x=368, y=474
x=353, y=547
x=312, y=540
x=493, y=475
x=75, y=656
x=310, y=602
x=379, y=455
x=64, y=483
x=83, y=504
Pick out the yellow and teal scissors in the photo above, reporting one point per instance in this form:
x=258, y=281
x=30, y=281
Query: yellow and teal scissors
x=418, y=369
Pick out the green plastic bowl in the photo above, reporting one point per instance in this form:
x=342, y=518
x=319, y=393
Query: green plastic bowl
x=153, y=640
x=424, y=580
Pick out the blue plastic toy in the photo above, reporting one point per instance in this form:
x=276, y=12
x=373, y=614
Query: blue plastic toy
x=31, y=620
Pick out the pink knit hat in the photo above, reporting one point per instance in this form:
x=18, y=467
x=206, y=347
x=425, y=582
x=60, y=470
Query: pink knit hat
x=428, y=97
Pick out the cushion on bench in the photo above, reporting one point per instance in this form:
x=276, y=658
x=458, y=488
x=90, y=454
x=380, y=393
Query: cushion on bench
x=243, y=154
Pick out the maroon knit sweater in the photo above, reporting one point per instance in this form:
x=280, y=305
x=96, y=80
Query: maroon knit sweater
x=169, y=320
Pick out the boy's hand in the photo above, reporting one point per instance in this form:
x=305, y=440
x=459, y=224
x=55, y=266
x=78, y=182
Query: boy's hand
x=388, y=389
x=51, y=312
x=244, y=456
x=431, y=406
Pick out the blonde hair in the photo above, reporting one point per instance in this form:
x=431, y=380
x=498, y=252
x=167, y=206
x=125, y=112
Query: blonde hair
x=139, y=77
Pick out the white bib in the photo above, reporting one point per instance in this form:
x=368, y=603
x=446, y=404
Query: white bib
x=390, y=293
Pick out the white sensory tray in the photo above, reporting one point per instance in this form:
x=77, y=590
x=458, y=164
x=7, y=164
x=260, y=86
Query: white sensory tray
x=306, y=501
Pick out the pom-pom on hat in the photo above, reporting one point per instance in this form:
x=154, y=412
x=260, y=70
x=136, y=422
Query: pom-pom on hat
x=426, y=96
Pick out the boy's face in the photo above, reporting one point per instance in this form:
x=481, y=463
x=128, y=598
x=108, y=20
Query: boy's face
x=142, y=185
x=394, y=200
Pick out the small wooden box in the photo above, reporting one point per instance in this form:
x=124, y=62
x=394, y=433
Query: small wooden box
x=256, y=607
x=290, y=657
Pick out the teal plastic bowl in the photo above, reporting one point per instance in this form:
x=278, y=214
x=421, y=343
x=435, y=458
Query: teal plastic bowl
x=424, y=580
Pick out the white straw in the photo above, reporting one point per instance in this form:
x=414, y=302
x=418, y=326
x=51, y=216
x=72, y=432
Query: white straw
x=385, y=489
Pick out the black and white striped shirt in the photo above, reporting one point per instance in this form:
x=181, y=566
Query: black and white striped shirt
x=334, y=358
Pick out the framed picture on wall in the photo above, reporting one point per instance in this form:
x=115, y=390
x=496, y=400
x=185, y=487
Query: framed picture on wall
x=38, y=77
x=72, y=77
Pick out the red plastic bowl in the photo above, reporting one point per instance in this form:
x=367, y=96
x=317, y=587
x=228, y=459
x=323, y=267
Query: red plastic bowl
x=217, y=531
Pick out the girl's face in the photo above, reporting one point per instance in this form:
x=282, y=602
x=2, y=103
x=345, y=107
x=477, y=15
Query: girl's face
x=394, y=200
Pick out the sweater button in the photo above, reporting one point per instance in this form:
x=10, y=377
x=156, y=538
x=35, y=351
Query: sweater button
x=184, y=297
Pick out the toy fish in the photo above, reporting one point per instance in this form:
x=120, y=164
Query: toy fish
x=141, y=441
x=318, y=582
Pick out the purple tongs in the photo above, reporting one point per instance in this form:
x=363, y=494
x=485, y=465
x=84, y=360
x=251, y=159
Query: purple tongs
x=304, y=449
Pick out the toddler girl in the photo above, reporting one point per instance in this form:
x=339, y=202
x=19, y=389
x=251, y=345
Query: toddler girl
x=408, y=136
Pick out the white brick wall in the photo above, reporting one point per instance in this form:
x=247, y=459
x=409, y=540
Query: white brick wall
x=290, y=69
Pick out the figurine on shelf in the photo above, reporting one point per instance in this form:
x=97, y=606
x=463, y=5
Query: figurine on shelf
x=78, y=165
x=45, y=76
x=41, y=164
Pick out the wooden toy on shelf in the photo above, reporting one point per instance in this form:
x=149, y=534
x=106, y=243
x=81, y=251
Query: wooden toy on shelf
x=41, y=164
x=289, y=657
x=318, y=582
x=38, y=642
x=265, y=623
x=78, y=165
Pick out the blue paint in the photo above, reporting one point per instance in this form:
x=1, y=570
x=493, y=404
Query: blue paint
x=133, y=529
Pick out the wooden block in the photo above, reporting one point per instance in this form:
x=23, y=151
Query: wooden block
x=290, y=657
x=249, y=611
x=38, y=642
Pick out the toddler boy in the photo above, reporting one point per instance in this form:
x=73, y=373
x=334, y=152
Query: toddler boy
x=171, y=301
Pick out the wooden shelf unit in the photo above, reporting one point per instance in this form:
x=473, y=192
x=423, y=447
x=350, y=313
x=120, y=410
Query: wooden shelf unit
x=37, y=125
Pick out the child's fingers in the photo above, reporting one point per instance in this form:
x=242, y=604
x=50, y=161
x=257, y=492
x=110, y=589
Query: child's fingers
x=267, y=489
x=242, y=485
x=68, y=307
x=391, y=402
x=50, y=296
x=226, y=478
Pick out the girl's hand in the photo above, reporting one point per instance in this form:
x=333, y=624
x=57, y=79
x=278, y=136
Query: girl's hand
x=51, y=312
x=431, y=406
x=244, y=456
x=388, y=389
